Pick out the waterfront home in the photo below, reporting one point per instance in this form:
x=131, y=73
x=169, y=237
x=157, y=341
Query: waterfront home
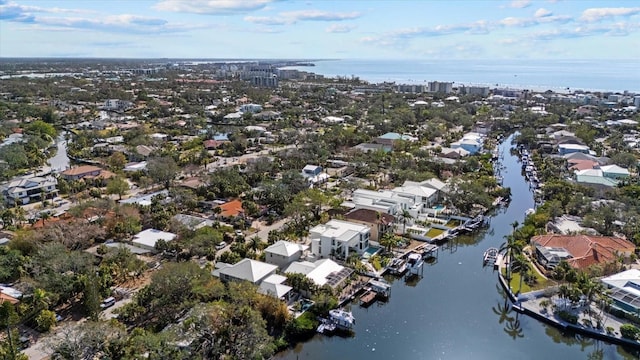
x=624, y=290
x=147, y=239
x=249, y=270
x=273, y=285
x=321, y=272
x=339, y=238
x=580, y=251
x=283, y=253
x=378, y=222
x=23, y=191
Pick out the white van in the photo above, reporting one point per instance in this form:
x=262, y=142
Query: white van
x=108, y=302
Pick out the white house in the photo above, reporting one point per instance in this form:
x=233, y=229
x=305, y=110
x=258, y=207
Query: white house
x=147, y=239
x=614, y=172
x=283, y=253
x=322, y=272
x=314, y=174
x=250, y=108
x=245, y=270
x=338, y=238
x=25, y=190
x=624, y=289
x=273, y=285
x=471, y=142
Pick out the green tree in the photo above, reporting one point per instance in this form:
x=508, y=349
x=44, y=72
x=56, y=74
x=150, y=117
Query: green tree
x=117, y=186
x=162, y=170
x=117, y=161
x=45, y=320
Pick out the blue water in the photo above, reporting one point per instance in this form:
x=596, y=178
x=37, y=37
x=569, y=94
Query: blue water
x=456, y=311
x=540, y=75
x=371, y=250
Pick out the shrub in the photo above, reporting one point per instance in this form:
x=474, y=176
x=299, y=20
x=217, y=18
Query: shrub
x=301, y=327
x=610, y=330
x=629, y=331
x=568, y=317
x=45, y=320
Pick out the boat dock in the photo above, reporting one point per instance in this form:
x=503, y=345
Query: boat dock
x=368, y=298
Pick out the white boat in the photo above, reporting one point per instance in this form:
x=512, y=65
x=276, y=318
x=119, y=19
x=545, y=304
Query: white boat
x=414, y=263
x=490, y=256
x=342, y=319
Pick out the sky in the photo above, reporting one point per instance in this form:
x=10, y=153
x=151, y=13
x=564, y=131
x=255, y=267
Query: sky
x=344, y=29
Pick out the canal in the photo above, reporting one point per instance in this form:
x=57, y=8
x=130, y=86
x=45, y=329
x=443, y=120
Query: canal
x=60, y=161
x=457, y=310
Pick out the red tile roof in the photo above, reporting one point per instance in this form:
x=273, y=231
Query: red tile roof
x=231, y=209
x=4, y=297
x=587, y=250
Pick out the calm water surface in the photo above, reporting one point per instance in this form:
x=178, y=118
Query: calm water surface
x=537, y=75
x=457, y=310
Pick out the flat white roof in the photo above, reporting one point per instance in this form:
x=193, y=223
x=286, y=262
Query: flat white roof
x=150, y=237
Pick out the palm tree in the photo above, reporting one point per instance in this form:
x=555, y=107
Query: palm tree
x=404, y=216
x=523, y=268
x=255, y=243
x=389, y=241
x=510, y=248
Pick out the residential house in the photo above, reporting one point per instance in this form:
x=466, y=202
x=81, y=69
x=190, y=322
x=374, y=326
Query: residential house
x=213, y=144
x=88, y=172
x=321, y=272
x=605, y=176
x=22, y=191
x=147, y=239
x=314, y=174
x=273, y=285
x=392, y=137
x=250, y=108
x=283, y=253
x=580, y=251
x=564, y=149
x=471, y=142
x=624, y=290
x=117, y=105
x=231, y=209
x=379, y=223
x=245, y=270
x=339, y=238
x=192, y=222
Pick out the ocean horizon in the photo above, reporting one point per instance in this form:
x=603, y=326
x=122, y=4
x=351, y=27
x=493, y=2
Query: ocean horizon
x=537, y=75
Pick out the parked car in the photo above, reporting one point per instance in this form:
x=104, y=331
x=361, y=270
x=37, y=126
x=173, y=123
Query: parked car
x=239, y=233
x=221, y=245
x=108, y=302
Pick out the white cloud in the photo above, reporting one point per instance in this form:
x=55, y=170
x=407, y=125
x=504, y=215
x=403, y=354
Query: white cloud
x=212, y=7
x=597, y=14
x=292, y=17
x=542, y=12
x=519, y=4
x=339, y=28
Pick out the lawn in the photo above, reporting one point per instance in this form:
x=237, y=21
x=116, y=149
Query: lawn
x=434, y=232
x=515, y=282
x=452, y=223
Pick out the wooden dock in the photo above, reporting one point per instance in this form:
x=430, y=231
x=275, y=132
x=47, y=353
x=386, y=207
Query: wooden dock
x=368, y=298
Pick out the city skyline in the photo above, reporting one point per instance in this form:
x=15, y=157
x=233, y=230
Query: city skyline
x=545, y=29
